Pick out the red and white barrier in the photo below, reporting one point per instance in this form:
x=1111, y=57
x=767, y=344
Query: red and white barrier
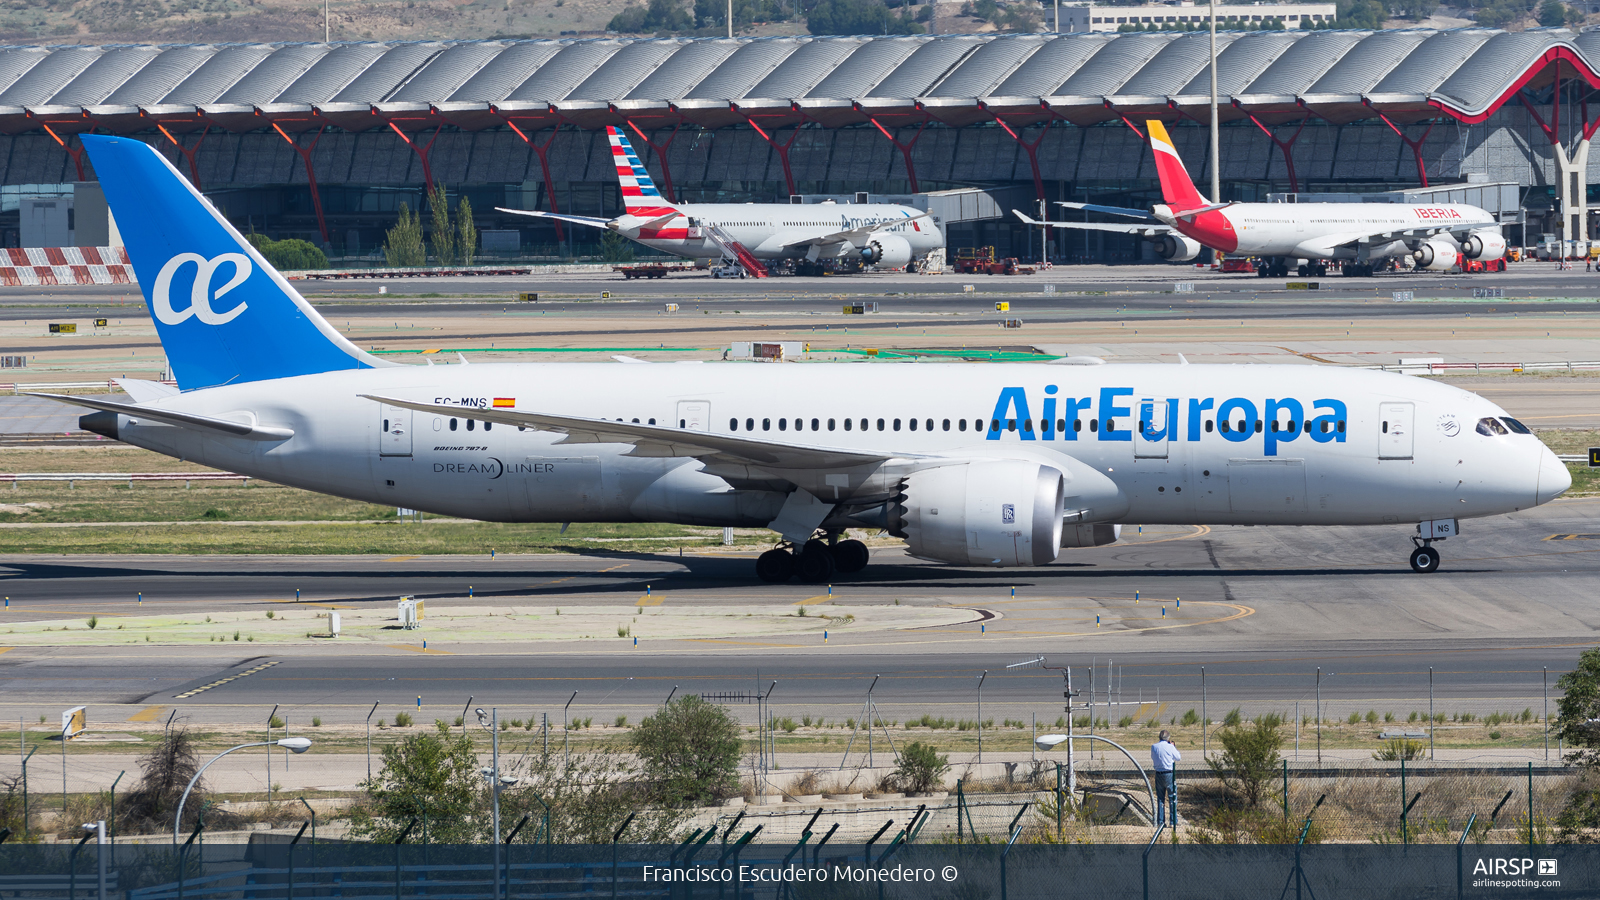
x=65, y=265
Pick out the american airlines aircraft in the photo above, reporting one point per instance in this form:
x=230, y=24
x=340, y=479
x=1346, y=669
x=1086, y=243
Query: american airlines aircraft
x=813, y=234
x=1434, y=236
x=972, y=464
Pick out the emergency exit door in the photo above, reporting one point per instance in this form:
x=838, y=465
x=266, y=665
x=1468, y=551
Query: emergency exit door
x=1153, y=428
x=694, y=415
x=395, y=440
x=1395, y=438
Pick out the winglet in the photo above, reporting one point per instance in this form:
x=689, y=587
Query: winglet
x=1177, y=188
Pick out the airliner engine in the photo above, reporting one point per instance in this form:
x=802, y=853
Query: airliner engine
x=889, y=250
x=997, y=512
x=1484, y=245
x=1178, y=248
x=1435, y=255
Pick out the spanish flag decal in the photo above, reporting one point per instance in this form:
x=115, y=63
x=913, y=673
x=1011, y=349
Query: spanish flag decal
x=504, y=401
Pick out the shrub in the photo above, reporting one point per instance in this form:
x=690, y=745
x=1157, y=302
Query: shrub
x=316, y=721
x=1388, y=717
x=1190, y=718
x=402, y=720
x=1398, y=749
x=1372, y=717
x=1249, y=758
x=167, y=770
x=460, y=721
x=275, y=722
x=1125, y=721
x=93, y=621
x=289, y=254
x=689, y=752
x=622, y=722
x=1354, y=719
x=1412, y=717
x=1233, y=718
x=429, y=774
x=921, y=768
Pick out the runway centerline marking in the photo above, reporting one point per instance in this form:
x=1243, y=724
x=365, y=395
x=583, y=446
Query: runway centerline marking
x=222, y=681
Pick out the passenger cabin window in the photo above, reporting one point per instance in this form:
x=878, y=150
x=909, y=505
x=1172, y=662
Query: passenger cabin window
x=470, y=423
x=452, y=424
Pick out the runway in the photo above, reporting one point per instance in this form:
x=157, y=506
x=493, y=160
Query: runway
x=1262, y=609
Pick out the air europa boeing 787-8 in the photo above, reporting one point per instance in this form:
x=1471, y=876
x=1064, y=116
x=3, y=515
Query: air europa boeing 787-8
x=1434, y=235
x=972, y=464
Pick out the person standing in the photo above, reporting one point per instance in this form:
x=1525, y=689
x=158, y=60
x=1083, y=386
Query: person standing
x=1164, y=758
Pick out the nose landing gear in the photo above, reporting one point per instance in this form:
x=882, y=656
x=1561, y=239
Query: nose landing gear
x=1424, y=559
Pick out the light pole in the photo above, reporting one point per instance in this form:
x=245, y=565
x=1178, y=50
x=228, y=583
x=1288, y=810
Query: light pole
x=565, y=730
x=980, y=714
x=1216, y=170
x=491, y=721
x=294, y=744
x=369, y=737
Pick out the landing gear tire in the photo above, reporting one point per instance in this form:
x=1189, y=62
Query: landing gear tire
x=815, y=564
x=1303, y=271
x=775, y=566
x=850, y=556
x=1322, y=271
x=1424, y=560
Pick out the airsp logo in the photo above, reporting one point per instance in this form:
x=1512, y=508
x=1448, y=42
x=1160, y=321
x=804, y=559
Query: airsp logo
x=201, y=296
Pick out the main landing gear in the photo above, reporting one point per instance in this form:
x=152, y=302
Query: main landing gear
x=1424, y=559
x=815, y=563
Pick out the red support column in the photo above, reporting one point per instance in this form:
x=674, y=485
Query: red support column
x=77, y=155
x=1287, y=148
x=188, y=152
x=1030, y=148
x=540, y=151
x=905, y=149
x=661, y=156
x=1415, y=145
x=422, y=153
x=311, y=174
x=783, y=148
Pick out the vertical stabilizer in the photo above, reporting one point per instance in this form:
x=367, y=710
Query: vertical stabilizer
x=223, y=313
x=1177, y=188
x=639, y=192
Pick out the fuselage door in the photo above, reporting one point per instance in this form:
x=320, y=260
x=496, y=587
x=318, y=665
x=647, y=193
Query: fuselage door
x=1395, y=430
x=1150, y=432
x=694, y=415
x=396, y=437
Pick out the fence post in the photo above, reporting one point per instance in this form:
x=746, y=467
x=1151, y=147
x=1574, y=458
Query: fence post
x=1286, y=789
x=1460, y=879
x=1404, y=838
x=1060, y=806
x=1530, y=808
x=960, y=807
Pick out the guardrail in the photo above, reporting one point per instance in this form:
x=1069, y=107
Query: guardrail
x=130, y=477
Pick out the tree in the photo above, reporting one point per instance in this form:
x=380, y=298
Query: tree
x=921, y=767
x=1249, y=757
x=858, y=17
x=466, y=232
x=586, y=797
x=1417, y=10
x=290, y=254
x=403, y=244
x=1552, y=14
x=614, y=247
x=1578, y=711
x=659, y=16
x=1363, y=14
x=444, y=238
x=428, y=776
x=689, y=752
x=166, y=772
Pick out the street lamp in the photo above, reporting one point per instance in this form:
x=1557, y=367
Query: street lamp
x=1051, y=741
x=292, y=744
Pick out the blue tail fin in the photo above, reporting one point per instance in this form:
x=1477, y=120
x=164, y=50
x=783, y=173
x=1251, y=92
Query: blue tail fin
x=223, y=313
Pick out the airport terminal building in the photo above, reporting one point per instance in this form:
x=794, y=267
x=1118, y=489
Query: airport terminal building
x=325, y=141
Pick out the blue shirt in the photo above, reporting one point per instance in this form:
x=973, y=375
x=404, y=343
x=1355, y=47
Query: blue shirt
x=1164, y=756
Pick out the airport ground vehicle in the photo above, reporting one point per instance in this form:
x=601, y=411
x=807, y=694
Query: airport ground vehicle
x=996, y=465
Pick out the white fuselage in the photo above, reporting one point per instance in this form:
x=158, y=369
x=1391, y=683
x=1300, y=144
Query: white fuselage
x=781, y=230
x=1329, y=230
x=1367, y=447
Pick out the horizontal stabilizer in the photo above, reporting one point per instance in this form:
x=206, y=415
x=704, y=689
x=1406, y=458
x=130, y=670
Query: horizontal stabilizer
x=540, y=214
x=222, y=427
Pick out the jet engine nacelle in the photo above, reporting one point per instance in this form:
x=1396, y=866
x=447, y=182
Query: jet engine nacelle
x=1484, y=245
x=999, y=513
x=1096, y=535
x=890, y=250
x=1435, y=255
x=1178, y=248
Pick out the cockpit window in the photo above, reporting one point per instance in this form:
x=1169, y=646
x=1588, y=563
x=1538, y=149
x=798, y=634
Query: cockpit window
x=1490, y=427
x=1515, y=426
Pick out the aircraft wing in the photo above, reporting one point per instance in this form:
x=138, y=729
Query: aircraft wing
x=192, y=421
x=662, y=441
x=1150, y=230
x=853, y=235
x=540, y=214
x=1110, y=210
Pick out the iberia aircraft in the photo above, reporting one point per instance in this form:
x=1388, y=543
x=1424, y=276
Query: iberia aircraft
x=1307, y=235
x=878, y=234
x=972, y=465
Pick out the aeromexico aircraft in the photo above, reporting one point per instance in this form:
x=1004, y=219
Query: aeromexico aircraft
x=1435, y=235
x=972, y=464
x=881, y=234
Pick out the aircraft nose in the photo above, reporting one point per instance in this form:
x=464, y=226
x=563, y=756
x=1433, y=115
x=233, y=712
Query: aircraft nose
x=1554, y=478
